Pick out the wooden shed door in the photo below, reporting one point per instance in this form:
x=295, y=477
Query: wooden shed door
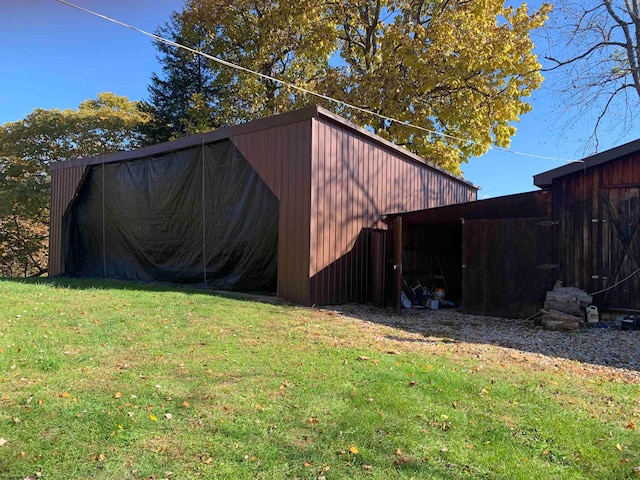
x=508, y=265
x=620, y=247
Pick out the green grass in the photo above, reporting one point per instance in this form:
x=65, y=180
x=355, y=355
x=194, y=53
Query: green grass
x=108, y=380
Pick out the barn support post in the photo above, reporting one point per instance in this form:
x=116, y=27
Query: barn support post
x=397, y=262
x=204, y=218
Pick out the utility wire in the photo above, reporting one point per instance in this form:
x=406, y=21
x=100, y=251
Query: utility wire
x=302, y=89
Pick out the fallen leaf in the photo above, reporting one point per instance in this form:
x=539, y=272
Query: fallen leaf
x=444, y=449
x=618, y=446
x=367, y=467
x=363, y=358
x=353, y=449
x=412, y=383
x=168, y=416
x=153, y=418
x=65, y=394
x=308, y=464
x=631, y=425
x=3, y=442
x=313, y=420
x=117, y=395
x=185, y=404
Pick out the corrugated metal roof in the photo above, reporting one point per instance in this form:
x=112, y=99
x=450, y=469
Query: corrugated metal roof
x=545, y=179
x=307, y=113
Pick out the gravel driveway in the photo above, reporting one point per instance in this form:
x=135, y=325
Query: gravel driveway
x=592, y=350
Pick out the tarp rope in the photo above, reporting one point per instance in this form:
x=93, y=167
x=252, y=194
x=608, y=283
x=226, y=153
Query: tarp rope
x=204, y=233
x=615, y=284
x=104, y=226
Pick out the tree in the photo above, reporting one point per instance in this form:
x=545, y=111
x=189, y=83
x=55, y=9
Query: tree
x=595, y=47
x=29, y=146
x=184, y=101
x=456, y=67
x=460, y=68
x=280, y=39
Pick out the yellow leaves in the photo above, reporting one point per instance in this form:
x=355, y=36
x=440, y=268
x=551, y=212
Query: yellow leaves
x=65, y=395
x=312, y=420
x=117, y=395
x=354, y=450
x=631, y=425
x=153, y=418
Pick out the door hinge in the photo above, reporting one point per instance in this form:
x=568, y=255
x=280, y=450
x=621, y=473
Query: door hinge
x=596, y=220
x=598, y=277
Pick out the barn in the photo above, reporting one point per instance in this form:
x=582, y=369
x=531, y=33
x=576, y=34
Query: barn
x=500, y=256
x=292, y=204
x=596, y=204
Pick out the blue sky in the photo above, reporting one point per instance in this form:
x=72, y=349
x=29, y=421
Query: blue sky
x=54, y=56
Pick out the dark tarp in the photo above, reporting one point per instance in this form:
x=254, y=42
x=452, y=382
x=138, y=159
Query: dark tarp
x=196, y=215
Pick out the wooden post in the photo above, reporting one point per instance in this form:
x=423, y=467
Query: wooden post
x=397, y=262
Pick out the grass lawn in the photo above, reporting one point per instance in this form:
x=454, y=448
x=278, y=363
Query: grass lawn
x=109, y=380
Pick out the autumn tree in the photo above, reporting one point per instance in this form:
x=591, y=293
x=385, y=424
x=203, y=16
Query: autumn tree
x=29, y=146
x=288, y=39
x=460, y=70
x=594, y=47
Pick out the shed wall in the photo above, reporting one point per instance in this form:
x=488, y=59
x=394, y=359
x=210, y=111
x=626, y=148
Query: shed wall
x=354, y=182
x=282, y=157
x=64, y=183
x=598, y=210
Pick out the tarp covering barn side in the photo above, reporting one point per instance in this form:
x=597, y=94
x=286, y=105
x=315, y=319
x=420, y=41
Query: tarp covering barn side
x=199, y=215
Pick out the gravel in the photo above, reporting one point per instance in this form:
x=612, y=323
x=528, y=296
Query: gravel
x=602, y=350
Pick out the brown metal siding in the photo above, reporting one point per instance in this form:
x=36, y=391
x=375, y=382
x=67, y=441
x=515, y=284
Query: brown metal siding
x=282, y=157
x=64, y=183
x=589, y=245
x=354, y=182
x=324, y=232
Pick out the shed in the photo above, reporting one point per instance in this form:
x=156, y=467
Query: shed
x=291, y=203
x=596, y=203
x=493, y=256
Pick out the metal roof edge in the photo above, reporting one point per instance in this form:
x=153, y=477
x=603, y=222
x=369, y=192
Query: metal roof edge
x=323, y=112
x=194, y=140
x=489, y=200
x=306, y=113
x=545, y=179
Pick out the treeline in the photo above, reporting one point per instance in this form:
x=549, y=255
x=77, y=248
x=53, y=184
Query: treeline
x=461, y=71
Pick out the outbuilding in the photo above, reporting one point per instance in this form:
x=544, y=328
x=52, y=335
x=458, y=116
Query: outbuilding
x=596, y=203
x=500, y=256
x=291, y=204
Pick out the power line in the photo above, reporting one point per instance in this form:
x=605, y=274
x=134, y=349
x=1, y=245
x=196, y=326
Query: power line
x=302, y=89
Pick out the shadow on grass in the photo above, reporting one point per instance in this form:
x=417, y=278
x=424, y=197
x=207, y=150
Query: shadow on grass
x=602, y=346
x=111, y=284
x=606, y=347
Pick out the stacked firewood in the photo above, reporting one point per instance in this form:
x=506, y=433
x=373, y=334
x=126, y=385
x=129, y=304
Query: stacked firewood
x=564, y=308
